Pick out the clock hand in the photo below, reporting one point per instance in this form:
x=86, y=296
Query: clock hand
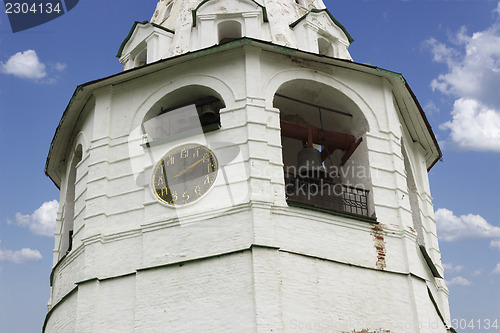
x=189, y=168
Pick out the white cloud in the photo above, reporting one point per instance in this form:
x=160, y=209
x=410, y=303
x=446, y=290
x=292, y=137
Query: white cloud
x=20, y=256
x=496, y=271
x=450, y=268
x=458, y=281
x=25, y=65
x=442, y=53
x=42, y=221
x=477, y=273
x=474, y=126
x=473, y=78
x=59, y=66
x=495, y=243
x=431, y=108
x=451, y=227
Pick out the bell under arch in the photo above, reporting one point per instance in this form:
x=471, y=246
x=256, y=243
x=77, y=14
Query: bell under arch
x=337, y=106
x=180, y=97
x=315, y=116
x=187, y=109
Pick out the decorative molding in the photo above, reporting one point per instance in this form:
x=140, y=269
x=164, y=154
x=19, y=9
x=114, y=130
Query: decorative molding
x=195, y=11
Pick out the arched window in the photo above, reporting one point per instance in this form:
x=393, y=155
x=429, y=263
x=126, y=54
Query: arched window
x=162, y=13
x=414, y=201
x=324, y=47
x=168, y=10
x=324, y=155
x=69, y=204
x=141, y=59
x=186, y=111
x=228, y=31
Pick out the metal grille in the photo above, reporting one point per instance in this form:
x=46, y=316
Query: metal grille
x=326, y=194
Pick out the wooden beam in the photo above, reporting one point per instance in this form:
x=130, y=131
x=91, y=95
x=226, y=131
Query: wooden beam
x=350, y=151
x=331, y=139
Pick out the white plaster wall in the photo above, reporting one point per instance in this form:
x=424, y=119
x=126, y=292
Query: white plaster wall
x=115, y=305
x=258, y=289
x=323, y=257
x=348, y=298
x=417, y=162
x=203, y=33
x=80, y=138
x=63, y=319
x=212, y=295
x=68, y=272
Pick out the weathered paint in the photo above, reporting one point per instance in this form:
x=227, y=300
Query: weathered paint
x=379, y=244
x=192, y=25
x=240, y=259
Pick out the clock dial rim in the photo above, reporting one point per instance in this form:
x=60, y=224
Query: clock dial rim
x=176, y=151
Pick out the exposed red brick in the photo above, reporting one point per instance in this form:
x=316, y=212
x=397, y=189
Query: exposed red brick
x=379, y=244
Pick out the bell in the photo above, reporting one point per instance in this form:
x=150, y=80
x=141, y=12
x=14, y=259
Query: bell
x=207, y=115
x=309, y=162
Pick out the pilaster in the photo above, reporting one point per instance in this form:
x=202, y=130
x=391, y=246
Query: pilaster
x=98, y=163
x=206, y=30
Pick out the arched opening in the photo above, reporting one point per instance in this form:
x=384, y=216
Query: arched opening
x=324, y=47
x=324, y=155
x=141, y=59
x=69, y=204
x=228, y=31
x=414, y=201
x=181, y=112
x=163, y=13
x=168, y=10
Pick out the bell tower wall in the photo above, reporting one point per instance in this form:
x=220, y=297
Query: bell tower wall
x=244, y=256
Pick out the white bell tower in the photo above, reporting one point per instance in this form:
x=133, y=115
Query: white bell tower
x=179, y=27
x=244, y=174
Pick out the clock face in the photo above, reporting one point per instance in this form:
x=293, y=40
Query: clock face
x=184, y=174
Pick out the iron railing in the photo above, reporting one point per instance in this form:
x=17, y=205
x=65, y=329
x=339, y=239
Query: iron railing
x=326, y=194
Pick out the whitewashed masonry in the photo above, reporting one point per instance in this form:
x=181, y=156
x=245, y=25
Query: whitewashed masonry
x=243, y=258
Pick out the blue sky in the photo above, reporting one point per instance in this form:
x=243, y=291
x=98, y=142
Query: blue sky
x=448, y=51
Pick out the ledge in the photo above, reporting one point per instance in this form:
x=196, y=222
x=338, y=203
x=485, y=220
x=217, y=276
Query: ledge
x=51, y=278
x=436, y=307
x=431, y=265
x=49, y=314
x=250, y=247
x=358, y=217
